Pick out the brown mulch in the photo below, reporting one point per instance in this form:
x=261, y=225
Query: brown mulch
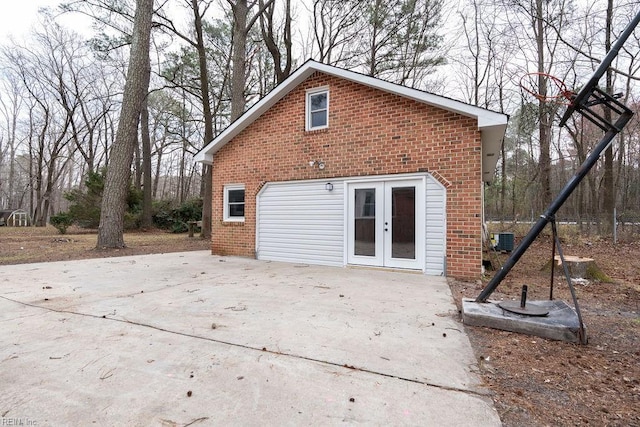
x=535, y=382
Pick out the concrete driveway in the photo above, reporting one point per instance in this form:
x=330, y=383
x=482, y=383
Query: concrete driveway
x=193, y=339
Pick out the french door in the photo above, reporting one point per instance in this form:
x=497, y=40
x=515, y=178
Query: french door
x=385, y=223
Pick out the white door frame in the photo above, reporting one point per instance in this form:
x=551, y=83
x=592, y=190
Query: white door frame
x=376, y=216
x=383, y=213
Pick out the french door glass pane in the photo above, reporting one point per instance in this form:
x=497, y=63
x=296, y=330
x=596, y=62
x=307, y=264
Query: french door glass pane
x=365, y=222
x=403, y=239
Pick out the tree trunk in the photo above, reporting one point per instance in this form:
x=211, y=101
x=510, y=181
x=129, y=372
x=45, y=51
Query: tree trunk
x=137, y=165
x=114, y=199
x=205, y=230
x=268, y=28
x=503, y=179
x=543, y=115
x=147, y=214
x=579, y=268
x=156, y=178
x=608, y=189
x=241, y=26
x=239, y=58
x=12, y=149
x=373, y=46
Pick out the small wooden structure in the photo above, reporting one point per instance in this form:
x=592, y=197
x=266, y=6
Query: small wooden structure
x=193, y=225
x=15, y=218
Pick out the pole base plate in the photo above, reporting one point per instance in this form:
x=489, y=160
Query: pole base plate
x=527, y=310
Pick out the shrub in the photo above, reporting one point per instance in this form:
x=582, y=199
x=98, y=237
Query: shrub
x=62, y=221
x=86, y=203
x=176, y=219
x=162, y=214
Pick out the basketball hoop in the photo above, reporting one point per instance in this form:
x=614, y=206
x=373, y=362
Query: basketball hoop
x=558, y=92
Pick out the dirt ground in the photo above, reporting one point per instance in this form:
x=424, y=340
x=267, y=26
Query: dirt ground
x=536, y=382
x=20, y=245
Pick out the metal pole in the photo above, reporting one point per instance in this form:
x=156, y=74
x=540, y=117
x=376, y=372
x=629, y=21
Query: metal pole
x=581, y=334
x=553, y=208
x=523, y=296
x=553, y=257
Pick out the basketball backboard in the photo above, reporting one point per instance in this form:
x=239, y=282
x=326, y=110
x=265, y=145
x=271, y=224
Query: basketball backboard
x=590, y=95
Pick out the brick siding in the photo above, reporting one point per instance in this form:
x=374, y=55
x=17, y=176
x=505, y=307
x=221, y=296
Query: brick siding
x=370, y=132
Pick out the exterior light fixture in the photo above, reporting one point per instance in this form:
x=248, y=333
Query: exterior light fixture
x=328, y=186
x=320, y=164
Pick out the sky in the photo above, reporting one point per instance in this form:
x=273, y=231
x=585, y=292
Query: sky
x=17, y=17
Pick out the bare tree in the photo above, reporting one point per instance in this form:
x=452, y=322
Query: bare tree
x=401, y=39
x=111, y=229
x=336, y=28
x=608, y=188
x=600, y=25
x=197, y=41
x=145, y=142
x=531, y=25
x=484, y=55
x=397, y=40
x=10, y=107
x=268, y=27
x=418, y=41
x=242, y=24
x=115, y=19
x=45, y=70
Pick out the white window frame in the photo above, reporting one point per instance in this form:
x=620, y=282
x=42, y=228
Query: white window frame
x=230, y=187
x=310, y=93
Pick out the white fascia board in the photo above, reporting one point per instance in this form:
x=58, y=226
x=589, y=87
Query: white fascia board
x=203, y=157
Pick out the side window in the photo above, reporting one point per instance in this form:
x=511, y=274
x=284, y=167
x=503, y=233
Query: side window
x=317, y=109
x=234, y=203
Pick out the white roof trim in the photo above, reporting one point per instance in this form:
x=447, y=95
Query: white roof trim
x=495, y=123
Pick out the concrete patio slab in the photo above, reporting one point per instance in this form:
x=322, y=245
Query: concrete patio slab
x=186, y=338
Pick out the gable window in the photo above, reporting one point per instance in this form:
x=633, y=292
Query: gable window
x=234, y=203
x=317, y=109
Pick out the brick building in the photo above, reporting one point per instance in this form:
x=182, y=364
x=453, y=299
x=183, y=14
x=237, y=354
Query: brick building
x=337, y=168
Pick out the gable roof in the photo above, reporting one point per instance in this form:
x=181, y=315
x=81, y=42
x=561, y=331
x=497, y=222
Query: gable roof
x=492, y=125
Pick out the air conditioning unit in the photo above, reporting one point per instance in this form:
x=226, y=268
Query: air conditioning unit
x=502, y=241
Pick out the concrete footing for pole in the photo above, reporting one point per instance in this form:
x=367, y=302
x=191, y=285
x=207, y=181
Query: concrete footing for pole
x=560, y=324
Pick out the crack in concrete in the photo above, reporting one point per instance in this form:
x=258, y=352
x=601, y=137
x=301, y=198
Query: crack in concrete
x=479, y=393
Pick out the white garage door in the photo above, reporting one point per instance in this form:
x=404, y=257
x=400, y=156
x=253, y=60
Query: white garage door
x=301, y=222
